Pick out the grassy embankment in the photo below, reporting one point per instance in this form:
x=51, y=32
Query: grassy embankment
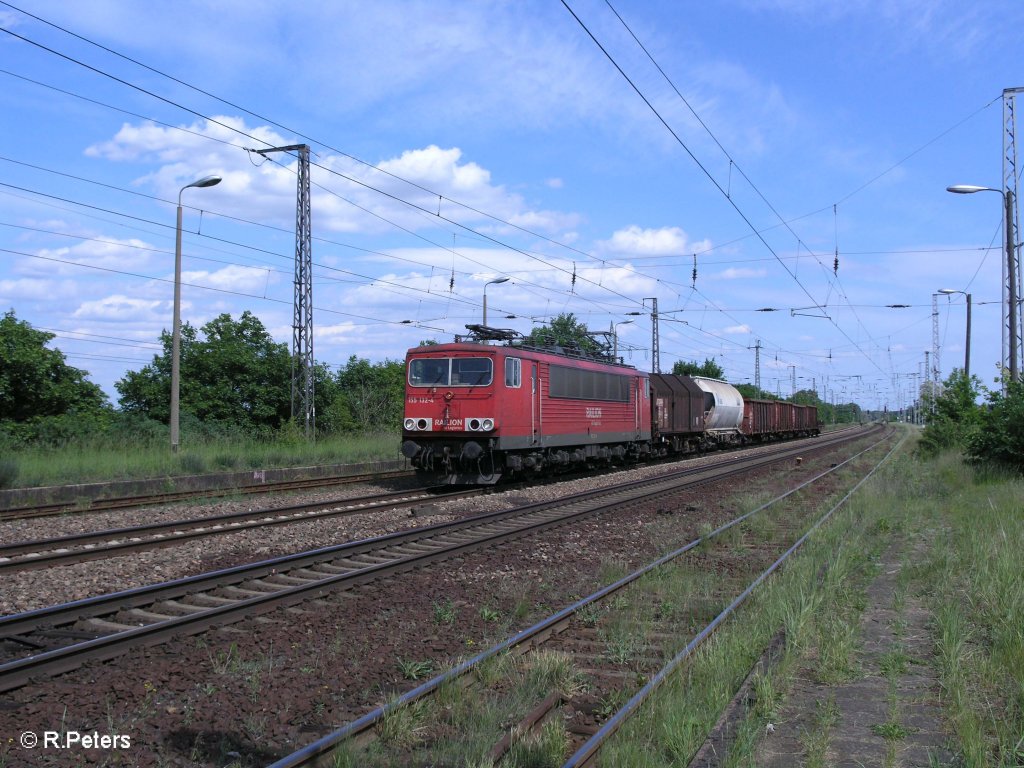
x=960, y=532
x=82, y=463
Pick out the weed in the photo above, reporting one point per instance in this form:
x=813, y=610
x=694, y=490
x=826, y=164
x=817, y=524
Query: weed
x=622, y=650
x=522, y=609
x=666, y=610
x=894, y=662
x=766, y=697
x=445, y=612
x=489, y=614
x=590, y=614
x=344, y=757
x=255, y=727
x=496, y=668
x=815, y=742
x=415, y=670
x=401, y=727
x=612, y=570
x=552, y=670
x=223, y=661
x=891, y=731
x=543, y=749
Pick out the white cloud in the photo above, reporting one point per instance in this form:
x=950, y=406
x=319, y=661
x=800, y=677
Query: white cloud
x=739, y=273
x=28, y=289
x=664, y=241
x=119, y=307
x=232, y=278
x=266, y=191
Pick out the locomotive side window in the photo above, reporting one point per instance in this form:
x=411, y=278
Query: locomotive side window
x=513, y=372
x=428, y=371
x=576, y=384
x=472, y=371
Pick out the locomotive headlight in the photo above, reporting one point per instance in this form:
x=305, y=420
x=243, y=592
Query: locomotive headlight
x=487, y=425
x=410, y=424
x=473, y=424
x=423, y=424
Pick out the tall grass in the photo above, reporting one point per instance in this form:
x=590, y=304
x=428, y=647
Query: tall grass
x=979, y=613
x=82, y=462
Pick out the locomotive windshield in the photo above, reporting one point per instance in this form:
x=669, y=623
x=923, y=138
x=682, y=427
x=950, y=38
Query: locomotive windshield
x=450, y=372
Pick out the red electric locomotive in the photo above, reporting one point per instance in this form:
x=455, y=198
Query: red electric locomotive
x=475, y=413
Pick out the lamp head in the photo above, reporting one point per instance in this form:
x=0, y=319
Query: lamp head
x=968, y=189
x=948, y=291
x=498, y=280
x=206, y=181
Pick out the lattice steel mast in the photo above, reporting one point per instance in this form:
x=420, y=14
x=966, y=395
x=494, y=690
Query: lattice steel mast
x=655, y=340
x=302, y=321
x=936, y=370
x=757, y=367
x=1012, y=285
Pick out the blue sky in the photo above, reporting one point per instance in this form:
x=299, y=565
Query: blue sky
x=775, y=134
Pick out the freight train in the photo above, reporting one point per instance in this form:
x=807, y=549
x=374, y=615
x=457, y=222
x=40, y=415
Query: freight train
x=477, y=412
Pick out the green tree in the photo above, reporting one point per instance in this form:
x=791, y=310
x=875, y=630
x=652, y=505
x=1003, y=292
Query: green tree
x=236, y=376
x=806, y=397
x=709, y=369
x=567, y=332
x=369, y=396
x=955, y=415
x=750, y=392
x=35, y=381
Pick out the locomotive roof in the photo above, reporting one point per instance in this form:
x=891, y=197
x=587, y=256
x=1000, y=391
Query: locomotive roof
x=558, y=353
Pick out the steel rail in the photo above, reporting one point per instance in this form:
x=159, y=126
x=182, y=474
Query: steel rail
x=588, y=751
x=449, y=539
x=128, y=502
x=44, y=553
x=318, y=752
x=176, y=588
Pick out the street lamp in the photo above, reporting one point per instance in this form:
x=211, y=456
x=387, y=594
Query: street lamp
x=206, y=181
x=1011, y=267
x=967, y=343
x=615, y=338
x=491, y=282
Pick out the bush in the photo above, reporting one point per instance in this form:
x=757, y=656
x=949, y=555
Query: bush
x=999, y=439
x=955, y=416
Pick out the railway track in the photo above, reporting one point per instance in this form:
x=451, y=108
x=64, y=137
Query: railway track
x=56, y=639
x=573, y=631
x=96, y=545
x=99, y=504
x=77, y=548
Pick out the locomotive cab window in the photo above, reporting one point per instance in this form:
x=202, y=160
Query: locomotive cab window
x=445, y=372
x=429, y=371
x=471, y=371
x=513, y=372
